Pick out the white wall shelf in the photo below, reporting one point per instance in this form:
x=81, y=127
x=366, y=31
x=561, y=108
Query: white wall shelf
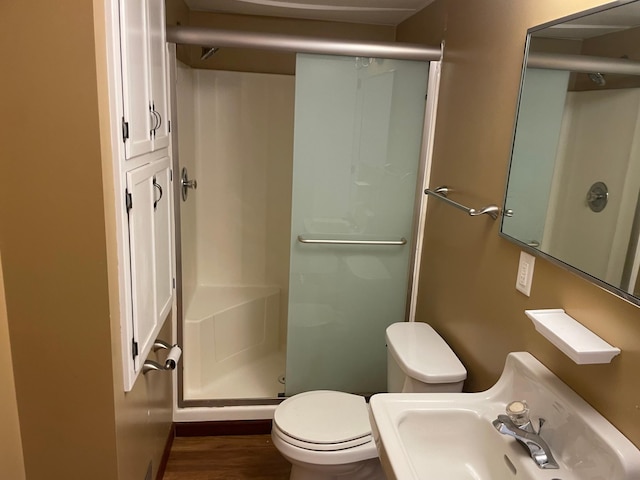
x=575, y=340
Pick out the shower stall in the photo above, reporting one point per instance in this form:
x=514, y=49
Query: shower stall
x=297, y=246
x=565, y=130
x=236, y=140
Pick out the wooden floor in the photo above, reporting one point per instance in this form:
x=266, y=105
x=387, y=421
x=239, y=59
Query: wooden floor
x=236, y=457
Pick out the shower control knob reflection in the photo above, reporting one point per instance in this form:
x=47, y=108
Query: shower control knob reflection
x=186, y=183
x=597, y=196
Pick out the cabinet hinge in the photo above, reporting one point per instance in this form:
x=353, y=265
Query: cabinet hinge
x=169, y=125
x=128, y=200
x=125, y=130
x=174, y=283
x=171, y=175
x=134, y=348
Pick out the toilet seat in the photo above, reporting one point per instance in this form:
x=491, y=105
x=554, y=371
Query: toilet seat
x=320, y=447
x=323, y=420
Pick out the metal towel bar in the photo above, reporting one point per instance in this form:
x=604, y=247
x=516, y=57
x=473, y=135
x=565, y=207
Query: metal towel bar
x=441, y=193
x=337, y=241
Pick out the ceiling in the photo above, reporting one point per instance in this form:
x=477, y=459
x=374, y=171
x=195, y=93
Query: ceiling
x=377, y=12
x=600, y=23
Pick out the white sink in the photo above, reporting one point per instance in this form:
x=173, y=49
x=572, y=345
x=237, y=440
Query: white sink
x=449, y=436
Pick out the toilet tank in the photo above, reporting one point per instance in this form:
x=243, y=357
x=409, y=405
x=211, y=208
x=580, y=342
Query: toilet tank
x=419, y=360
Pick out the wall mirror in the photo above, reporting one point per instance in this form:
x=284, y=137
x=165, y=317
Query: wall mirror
x=574, y=180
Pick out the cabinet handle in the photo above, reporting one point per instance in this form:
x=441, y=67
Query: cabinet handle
x=158, y=116
x=157, y=185
x=156, y=120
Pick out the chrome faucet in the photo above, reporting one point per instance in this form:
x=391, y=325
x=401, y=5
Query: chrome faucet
x=518, y=425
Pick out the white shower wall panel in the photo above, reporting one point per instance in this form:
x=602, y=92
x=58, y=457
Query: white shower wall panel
x=185, y=88
x=227, y=329
x=599, y=143
x=244, y=142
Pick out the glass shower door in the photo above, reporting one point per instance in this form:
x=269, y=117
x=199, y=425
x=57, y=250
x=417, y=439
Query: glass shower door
x=357, y=140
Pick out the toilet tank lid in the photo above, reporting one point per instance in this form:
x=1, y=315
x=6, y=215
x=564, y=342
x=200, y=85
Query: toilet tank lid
x=422, y=354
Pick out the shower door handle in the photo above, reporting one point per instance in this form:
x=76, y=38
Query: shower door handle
x=186, y=183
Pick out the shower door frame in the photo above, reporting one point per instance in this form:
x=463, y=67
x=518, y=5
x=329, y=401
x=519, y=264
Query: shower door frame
x=262, y=408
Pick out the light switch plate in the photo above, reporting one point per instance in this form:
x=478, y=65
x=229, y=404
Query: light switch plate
x=524, y=278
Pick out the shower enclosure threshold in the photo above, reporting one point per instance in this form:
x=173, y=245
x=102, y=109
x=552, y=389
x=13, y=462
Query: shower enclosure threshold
x=257, y=379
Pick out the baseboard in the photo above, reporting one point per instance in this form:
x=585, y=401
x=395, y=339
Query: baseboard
x=224, y=427
x=167, y=451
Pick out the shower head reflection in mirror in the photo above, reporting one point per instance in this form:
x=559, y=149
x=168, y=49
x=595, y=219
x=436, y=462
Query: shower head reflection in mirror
x=578, y=123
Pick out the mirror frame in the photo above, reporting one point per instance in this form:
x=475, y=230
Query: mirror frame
x=523, y=246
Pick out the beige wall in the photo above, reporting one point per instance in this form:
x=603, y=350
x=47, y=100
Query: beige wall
x=58, y=248
x=624, y=44
x=467, y=286
x=177, y=13
x=11, y=459
x=264, y=61
x=53, y=241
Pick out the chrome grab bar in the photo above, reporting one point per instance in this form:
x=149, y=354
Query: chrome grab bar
x=336, y=241
x=441, y=193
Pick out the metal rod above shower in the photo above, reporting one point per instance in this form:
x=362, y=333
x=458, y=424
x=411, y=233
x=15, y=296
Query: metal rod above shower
x=213, y=37
x=583, y=63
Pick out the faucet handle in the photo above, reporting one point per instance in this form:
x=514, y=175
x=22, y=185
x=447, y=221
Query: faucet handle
x=518, y=412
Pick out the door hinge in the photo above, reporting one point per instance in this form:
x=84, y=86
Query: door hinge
x=171, y=175
x=134, y=348
x=125, y=130
x=169, y=125
x=174, y=283
x=128, y=200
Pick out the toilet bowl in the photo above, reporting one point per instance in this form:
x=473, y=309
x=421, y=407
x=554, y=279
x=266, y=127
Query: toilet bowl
x=326, y=435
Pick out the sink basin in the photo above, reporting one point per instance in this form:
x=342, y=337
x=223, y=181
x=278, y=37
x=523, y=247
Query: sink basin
x=450, y=435
x=456, y=444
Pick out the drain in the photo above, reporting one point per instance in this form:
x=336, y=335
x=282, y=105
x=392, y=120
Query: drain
x=281, y=379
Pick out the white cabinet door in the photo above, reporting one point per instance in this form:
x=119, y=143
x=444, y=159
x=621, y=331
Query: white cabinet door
x=137, y=121
x=163, y=239
x=144, y=76
x=149, y=207
x=158, y=71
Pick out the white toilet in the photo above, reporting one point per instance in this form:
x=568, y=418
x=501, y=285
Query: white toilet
x=326, y=435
